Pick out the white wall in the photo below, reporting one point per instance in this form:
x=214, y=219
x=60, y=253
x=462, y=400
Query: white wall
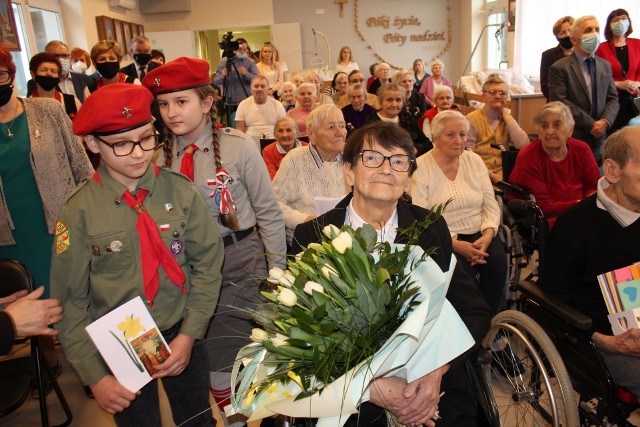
x=173, y=44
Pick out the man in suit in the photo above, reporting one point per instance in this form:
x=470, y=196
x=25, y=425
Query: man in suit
x=142, y=64
x=583, y=81
x=70, y=83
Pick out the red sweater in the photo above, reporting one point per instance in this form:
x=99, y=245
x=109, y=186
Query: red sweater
x=607, y=51
x=556, y=185
x=272, y=158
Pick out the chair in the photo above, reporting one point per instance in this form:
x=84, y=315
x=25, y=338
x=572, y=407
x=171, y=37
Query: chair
x=16, y=375
x=264, y=142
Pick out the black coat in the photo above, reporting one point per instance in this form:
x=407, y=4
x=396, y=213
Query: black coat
x=130, y=70
x=408, y=123
x=463, y=293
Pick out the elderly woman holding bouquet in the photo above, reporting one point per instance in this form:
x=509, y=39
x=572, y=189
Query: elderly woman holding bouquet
x=379, y=160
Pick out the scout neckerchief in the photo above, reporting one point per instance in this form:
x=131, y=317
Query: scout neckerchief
x=186, y=167
x=153, y=251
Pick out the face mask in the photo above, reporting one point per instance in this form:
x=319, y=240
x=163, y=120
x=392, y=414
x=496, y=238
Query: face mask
x=620, y=28
x=79, y=67
x=589, y=42
x=66, y=66
x=46, y=82
x=108, y=70
x=565, y=42
x=5, y=93
x=241, y=55
x=142, y=58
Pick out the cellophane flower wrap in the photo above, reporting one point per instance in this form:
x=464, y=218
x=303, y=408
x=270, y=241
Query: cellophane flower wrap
x=346, y=311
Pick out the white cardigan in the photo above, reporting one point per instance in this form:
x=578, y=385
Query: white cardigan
x=473, y=206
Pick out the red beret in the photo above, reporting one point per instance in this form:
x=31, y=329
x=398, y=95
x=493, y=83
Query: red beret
x=180, y=74
x=114, y=108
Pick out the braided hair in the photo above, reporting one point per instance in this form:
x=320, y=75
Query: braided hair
x=229, y=219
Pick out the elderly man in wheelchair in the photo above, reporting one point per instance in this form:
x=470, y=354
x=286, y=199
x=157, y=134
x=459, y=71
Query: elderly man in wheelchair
x=598, y=235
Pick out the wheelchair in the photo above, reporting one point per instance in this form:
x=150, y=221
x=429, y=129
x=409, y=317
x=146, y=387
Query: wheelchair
x=599, y=402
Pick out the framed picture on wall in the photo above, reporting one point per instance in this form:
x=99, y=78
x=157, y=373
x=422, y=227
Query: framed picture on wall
x=119, y=32
x=126, y=27
x=8, y=36
x=141, y=30
x=105, y=28
x=511, y=16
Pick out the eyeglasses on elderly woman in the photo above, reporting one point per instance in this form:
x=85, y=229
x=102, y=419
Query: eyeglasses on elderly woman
x=374, y=159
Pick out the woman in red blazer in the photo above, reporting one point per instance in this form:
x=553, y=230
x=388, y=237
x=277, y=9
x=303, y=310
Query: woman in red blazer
x=623, y=53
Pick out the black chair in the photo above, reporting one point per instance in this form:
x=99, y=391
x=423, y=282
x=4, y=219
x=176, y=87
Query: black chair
x=17, y=375
x=264, y=142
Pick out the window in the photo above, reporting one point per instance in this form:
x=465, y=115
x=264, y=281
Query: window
x=497, y=41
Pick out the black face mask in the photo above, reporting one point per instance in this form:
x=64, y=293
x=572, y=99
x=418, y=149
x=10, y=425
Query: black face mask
x=142, y=58
x=108, y=70
x=46, y=82
x=565, y=42
x=5, y=93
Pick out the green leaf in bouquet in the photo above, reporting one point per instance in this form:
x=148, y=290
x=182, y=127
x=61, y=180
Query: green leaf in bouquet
x=382, y=275
x=319, y=312
x=357, y=259
x=328, y=327
x=304, y=320
x=369, y=236
x=341, y=285
x=288, y=351
x=284, y=327
x=269, y=296
x=299, y=343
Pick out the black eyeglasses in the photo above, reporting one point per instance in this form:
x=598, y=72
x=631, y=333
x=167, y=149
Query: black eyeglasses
x=124, y=148
x=5, y=77
x=374, y=159
x=496, y=92
x=62, y=55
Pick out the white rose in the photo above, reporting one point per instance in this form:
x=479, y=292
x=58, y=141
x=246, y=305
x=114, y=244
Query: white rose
x=275, y=274
x=287, y=280
x=330, y=231
x=299, y=256
x=327, y=271
x=258, y=335
x=287, y=297
x=342, y=242
x=310, y=286
x=279, y=340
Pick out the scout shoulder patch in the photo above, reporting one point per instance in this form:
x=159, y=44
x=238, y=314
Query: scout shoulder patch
x=61, y=240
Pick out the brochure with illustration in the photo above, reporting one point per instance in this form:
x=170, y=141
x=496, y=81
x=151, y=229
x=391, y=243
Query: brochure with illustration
x=130, y=342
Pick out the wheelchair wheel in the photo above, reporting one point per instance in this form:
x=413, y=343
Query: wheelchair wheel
x=528, y=380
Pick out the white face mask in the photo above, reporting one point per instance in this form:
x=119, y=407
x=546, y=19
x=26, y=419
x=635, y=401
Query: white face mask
x=65, y=66
x=79, y=67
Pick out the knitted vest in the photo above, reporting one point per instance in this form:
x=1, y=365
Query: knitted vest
x=486, y=136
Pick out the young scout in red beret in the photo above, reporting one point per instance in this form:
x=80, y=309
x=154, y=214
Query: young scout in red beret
x=136, y=230
x=228, y=169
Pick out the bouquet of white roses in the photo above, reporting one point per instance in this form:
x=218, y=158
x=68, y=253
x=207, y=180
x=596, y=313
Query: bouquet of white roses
x=345, y=311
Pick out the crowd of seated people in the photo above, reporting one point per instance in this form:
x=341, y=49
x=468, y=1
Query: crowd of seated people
x=453, y=153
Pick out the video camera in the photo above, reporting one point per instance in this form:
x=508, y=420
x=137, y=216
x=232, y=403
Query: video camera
x=228, y=46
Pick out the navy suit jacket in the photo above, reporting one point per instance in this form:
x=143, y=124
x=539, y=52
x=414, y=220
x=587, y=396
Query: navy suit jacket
x=568, y=85
x=131, y=71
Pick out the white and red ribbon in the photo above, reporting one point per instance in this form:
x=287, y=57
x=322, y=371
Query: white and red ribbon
x=226, y=202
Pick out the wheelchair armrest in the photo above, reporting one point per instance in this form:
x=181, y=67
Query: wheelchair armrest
x=500, y=192
x=507, y=186
x=565, y=312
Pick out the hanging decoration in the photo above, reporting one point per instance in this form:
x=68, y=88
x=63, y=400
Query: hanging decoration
x=406, y=30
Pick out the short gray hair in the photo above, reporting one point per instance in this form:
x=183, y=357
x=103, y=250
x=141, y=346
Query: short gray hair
x=442, y=118
x=618, y=146
x=401, y=73
x=357, y=86
x=575, y=28
x=390, y=87
x=437, y=62
x=309, y=86
x=554, y=108
x=319, y=115
x=438, y=90
x=289, y=120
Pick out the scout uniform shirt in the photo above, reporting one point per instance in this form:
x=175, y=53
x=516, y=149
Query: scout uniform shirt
x=250, y=185
x=96, y=264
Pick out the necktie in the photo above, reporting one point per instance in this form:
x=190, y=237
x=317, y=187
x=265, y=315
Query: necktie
x=186, y=167
x=142, y=73
x=594, y=94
